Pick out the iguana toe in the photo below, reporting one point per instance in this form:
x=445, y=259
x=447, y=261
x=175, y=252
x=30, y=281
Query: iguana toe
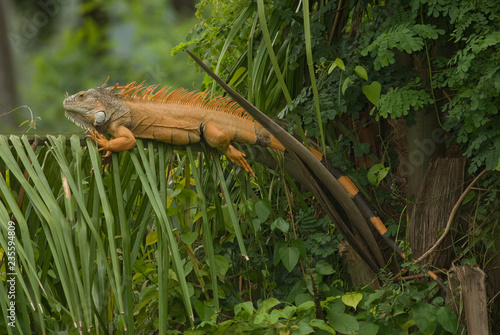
x=237, y=157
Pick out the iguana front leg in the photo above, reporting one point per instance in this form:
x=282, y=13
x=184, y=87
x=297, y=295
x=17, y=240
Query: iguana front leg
x=123, y=139
x=218, y=138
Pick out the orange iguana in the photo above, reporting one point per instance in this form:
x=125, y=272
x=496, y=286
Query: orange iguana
x=177, y=117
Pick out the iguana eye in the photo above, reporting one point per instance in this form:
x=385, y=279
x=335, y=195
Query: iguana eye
x=81, y=95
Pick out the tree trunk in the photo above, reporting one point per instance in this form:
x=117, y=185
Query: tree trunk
x=425, y=141
x=360, y=273
x=473, y=297
x=440, y=190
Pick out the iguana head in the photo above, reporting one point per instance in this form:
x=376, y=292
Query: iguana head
x=94, y=108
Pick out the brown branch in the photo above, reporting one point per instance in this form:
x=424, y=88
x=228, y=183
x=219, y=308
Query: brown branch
x=335, y=22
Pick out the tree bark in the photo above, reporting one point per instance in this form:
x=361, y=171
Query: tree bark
x=440, y=190
x=423, y=146
x=360, y=273
x=473, y=293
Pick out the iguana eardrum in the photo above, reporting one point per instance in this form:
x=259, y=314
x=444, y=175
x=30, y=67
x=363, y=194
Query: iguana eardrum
x=177, y=117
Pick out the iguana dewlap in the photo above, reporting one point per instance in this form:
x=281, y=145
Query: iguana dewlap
x=178, y=117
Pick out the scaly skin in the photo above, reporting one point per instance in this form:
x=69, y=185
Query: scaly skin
x=177, y=117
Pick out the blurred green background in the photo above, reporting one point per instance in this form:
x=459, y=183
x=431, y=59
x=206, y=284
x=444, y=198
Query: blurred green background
x=52, y=47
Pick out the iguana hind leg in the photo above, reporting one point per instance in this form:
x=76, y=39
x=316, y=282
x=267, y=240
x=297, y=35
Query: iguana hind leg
x=219, y=139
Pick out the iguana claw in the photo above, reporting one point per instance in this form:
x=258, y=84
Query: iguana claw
x=101, y=142
x=99, y=139
x=237, y=157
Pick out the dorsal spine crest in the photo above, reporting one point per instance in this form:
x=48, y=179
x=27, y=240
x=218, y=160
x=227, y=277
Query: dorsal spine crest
x=180, y=96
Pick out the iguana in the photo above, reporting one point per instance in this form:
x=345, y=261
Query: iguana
x=172, y=116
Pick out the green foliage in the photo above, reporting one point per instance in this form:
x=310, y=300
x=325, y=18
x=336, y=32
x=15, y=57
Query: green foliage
x=393, y=309
x=481, y=245
x=400, y=101
x=473, y=74
x=398, y=59
x=377, y=173
x=93, y=40
x=403, y=37
x=253, y=255
x=372, y=92
x=149, y=236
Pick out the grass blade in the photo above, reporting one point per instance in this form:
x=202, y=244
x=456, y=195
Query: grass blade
x=149, y=183
x=310, y=64
x=270, y=50
x=207, y=235
x=232, y=212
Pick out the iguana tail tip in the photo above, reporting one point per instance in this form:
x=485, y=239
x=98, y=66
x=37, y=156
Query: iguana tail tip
x=275, y=144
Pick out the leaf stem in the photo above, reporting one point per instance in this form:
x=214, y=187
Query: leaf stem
x=429, y=65
x=310, y=64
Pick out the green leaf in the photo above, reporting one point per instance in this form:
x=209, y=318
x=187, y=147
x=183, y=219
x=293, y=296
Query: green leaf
x=372, y=92
x=361, y=149
x=491, y=39
x=337, y=63
x=222, y=265
x=346, y=84
x=324, y=268
x=321, y=324
x=377, y=173
x=262, y=209
x=204, y=309
x=261, y=317
x=352, y=299
x=447, y=319
x=336, y=306
x=151, y=238
x=267, y=305
x=281, y=224
x=274, y=317
x=406, y=325
x=467, y=93
x=427, y=31
x=340, y=63
x=189, y=238
x=367, y=328
x=237, y=75
x=299, y=287
x=299, y=244
x=401, y=100
x=244, y=306
x=304, y=299
x=304, y=328
x=287, y=312
x=309, y=304
x=425, y=317
x=289, y=256
x=360, y=71
x=256, y=224
x=343, y=323
x=469, y=196
x=187, y=196
x=270, y=50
